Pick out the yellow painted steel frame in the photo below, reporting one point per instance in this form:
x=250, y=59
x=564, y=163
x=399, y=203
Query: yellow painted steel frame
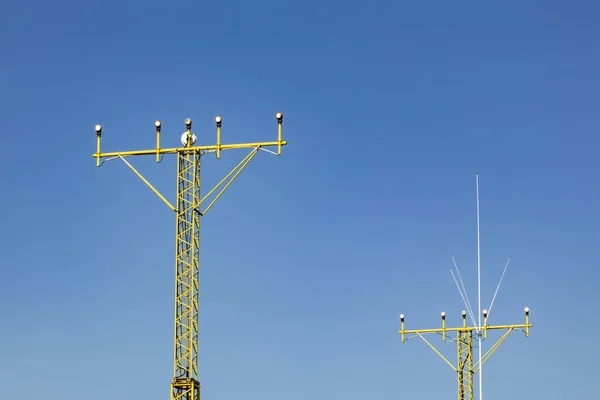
x=466, y=367
x=185, y=384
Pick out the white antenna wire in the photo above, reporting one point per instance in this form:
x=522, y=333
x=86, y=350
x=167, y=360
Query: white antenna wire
x=498, y=288
x=467, y=302
x=479, y=290
x=461, y=294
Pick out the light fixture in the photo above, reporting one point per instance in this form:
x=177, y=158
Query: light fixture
x=98, y=129
x=185, y=137
x=188, y=123
x=218, y=120
x=157, y=124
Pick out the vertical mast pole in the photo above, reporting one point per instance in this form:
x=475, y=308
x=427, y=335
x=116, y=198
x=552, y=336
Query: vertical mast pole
x=479, y=329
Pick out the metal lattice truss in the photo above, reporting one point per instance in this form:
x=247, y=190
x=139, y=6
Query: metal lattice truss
x=466, y=367
x=185, y=384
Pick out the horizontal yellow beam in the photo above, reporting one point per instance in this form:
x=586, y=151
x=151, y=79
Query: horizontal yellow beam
x=462, y=329
x=192, y=148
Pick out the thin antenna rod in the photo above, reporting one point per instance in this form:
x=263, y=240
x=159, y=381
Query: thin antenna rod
x=479, y=290
x=461, y=295
x=464, y=290
x=498, y=288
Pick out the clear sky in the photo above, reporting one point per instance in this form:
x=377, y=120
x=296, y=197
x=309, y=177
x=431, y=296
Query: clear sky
x=307, y=261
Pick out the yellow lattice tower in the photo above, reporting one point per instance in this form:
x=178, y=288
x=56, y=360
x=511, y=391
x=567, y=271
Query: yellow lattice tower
x=466, y=368
x=185, y=384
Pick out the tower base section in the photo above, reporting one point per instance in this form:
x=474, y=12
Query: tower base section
x=185, y=389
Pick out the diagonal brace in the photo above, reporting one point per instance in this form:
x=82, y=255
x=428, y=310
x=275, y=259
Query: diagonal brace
x=235, y=172
x=148, y=183
x=437, y=352
x=491, y=351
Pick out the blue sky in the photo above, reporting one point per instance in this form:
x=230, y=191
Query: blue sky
x=307, y=261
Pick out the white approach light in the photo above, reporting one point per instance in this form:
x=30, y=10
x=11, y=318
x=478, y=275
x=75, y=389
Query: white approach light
x=98, y=128
x=443, y=314
x=527, y=310
x=185, y=138
x=157, y=124
x=218, y=120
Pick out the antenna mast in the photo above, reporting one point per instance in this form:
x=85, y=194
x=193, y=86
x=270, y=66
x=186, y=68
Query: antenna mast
x=479, y=288
x=463, y=335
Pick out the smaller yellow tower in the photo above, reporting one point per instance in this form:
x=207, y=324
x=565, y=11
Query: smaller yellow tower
x=463, y=335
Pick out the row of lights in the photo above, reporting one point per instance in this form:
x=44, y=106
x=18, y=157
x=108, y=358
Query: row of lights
x=188, y=123
x=464, y=314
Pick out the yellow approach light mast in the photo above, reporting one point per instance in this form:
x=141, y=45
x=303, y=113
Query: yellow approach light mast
x=464, y=335
x=189, y=208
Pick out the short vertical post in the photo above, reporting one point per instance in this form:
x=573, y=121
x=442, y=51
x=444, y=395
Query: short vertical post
x=485, y=316
x=218, y=120
x=98, y=129
x=402, y=326
x=157, y=125
x=443, y=326
x=279, y=117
